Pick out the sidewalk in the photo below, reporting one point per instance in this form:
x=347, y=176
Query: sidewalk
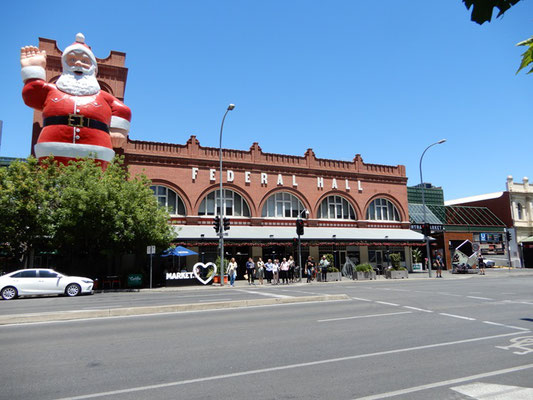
x=414, y=276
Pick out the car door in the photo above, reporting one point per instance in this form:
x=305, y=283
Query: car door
x=49, y=281
x=27, y=282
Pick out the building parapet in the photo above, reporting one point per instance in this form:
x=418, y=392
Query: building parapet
x=192, y=150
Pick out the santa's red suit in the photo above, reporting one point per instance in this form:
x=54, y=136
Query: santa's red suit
x=76, y=122
x=70, y=136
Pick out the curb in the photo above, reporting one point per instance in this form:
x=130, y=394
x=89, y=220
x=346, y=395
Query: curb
x=177, y=308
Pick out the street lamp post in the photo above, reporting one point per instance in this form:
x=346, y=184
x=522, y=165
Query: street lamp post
x=426, y=238
x=220, y=202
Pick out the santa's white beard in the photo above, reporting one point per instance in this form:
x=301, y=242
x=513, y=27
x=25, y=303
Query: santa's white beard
x=83, y=85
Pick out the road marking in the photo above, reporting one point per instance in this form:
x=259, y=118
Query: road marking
x=280, y=296
x=388, y=304
x=363, y=316
x=490, y=391
x=446, y=383
x=417, y=309
x=479, y=298
x=360, y=299
x=457, y=316
x=307, y=364
x=524, y=343
x=450, y=294
x=517, y=302
x=506, y=326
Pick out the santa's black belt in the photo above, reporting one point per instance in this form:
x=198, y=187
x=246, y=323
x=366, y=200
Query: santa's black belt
x=76, y=121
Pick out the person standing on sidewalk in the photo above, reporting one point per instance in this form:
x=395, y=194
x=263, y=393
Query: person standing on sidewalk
x=250, y=270
x=481, y=264
x=284, y=271
x=232, y=271
x=309, y=269
x=268, y=270
x=438, y=261
x=260, y=270
x=291, y=269
x=275, y=272
x=324, y=264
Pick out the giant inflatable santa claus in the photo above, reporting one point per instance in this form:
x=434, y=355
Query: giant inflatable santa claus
x=79, y=119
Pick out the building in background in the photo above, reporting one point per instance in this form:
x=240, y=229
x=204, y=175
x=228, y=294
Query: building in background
x=451, y=225
x=515, y=208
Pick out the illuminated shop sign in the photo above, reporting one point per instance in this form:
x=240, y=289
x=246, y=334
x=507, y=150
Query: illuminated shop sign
x=200, y=271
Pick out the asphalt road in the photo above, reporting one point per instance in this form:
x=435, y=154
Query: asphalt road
x=417, y=339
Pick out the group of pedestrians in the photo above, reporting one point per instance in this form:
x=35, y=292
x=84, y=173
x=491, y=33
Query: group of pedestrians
x=274, y=271
x=312, y=269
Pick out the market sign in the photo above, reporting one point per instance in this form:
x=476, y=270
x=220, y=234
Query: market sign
x=200, y=271
x=433, y=227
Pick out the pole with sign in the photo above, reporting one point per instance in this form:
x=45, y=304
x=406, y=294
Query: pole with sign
x=150, y=250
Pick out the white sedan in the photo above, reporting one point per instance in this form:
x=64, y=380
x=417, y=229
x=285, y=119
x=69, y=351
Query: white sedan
x=30, y=282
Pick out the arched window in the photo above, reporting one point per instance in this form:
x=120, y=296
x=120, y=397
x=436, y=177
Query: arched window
x=233, y=203
x=336, y=207
x=169, y=199
x=519, y=211
x=382, y=210
x=282, y=205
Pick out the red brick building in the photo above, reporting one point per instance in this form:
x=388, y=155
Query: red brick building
x=356, y=210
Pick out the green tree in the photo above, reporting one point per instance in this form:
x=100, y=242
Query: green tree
x=27, y=193
x=79, y=210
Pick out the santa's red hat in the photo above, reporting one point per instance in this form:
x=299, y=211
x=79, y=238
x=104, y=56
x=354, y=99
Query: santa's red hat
x=80, y=45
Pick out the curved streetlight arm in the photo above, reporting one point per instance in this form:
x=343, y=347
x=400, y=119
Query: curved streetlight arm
x=426, y=239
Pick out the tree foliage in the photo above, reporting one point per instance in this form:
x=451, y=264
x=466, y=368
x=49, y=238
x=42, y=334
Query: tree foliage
x=482, y=9
x=79, y=209
x=527, y=56
x=482, y=12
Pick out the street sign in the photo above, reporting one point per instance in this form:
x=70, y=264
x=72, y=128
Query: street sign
x=150, y=250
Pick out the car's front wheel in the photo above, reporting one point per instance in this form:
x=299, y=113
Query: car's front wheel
x=9, y=293
x=72, y=290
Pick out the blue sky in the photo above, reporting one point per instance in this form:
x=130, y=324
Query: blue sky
x=380, y=78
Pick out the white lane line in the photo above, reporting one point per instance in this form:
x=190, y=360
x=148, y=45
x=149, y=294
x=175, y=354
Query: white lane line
x=450, y=294
x=516, y=302
x=281, y=296
x=364, y=316
x=446, y=383
x=284, y=368
x=360, y=299
x=457, y=316
x=416, y=309
x=479, y=298
x=506, y=326
x=388, y=304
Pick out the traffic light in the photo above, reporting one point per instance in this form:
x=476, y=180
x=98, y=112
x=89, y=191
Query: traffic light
x=426, y=230
x=216, y=224
x=300, y=227
x=225, y=222
x=509, y=237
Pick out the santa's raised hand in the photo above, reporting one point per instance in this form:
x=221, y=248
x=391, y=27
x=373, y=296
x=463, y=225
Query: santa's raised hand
x=31, y=56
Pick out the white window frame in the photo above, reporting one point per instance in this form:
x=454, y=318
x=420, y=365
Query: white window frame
x=234, y=204
x=163, y=199
x=282, y=205
x=381, y=209
x=336, y=207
